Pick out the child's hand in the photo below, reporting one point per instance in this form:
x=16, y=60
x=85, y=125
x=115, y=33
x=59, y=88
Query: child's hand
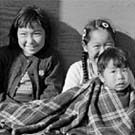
x=35, y=103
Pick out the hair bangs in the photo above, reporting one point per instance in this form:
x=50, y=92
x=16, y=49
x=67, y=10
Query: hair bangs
x=120, y=62
x=117, y=56
x=28, y=19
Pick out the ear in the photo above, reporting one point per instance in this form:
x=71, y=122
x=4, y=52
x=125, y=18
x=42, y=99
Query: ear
x=101, y=77
x=84, y=47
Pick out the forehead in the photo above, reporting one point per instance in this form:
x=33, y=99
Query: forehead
x=110, y=64
x=100, y=34
x=32, y=25
x=115, y=64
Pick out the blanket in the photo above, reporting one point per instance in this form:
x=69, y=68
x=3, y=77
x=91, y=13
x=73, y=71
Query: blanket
x=90, y=109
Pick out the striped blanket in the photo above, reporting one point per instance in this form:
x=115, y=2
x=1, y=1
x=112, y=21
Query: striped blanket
x=89, y=110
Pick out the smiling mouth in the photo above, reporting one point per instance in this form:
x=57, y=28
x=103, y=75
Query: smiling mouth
x=31, y=47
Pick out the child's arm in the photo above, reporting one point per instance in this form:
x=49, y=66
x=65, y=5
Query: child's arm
x=3, y=72
x=53, y=78
x=73, y=76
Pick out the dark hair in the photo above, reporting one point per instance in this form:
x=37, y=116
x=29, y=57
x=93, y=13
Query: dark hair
x=26, y=16
x=118, y=56
x=91, y=26
x=84, y=66
x=95, y=25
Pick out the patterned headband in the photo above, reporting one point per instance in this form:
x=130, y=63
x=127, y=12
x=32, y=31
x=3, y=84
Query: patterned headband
x=105, y=25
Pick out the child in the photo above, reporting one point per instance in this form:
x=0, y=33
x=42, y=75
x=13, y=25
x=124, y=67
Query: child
x=114, y=106
x=111, y=105
x=29, y=69
x=97, y=36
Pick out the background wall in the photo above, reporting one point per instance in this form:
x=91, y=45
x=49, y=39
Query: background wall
x=68, y=18
x=121, y=12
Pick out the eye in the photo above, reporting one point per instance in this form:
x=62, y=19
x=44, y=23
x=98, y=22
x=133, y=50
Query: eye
x=113, y=71
x=37, y=33
x=97, y=46
x=22, y=33
x=124, y=69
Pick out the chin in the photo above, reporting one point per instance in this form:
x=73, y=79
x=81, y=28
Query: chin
x=30, y=54
x=120, y=89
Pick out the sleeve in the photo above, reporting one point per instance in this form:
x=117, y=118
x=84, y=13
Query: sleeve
x=3, y=73
x=73, y=77
x=2, y=92
x=53, y=79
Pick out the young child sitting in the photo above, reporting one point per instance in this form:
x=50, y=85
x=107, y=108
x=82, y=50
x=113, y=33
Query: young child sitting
x=29, y=69
x=115, y=101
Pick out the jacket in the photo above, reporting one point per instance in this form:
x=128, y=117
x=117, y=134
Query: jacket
x=44, y=70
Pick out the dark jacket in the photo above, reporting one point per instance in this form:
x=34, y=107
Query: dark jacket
x=44, y=70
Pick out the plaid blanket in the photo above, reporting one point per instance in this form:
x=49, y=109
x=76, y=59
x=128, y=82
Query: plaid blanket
x=89, y=110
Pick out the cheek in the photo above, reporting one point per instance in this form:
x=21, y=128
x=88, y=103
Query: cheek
x=109, y=78
x=42, y=43
x=21, y=40
x=92, y=51
x=40, y=40
x=109, y=82
x=127, y=76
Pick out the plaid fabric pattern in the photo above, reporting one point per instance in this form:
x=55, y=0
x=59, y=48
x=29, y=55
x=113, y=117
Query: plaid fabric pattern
x=89, y=110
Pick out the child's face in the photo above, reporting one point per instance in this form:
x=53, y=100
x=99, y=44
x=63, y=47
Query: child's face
x=31, y=39
x=115, y=78
x=100, y=40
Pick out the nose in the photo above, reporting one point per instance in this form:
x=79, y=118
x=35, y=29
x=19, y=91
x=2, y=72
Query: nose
x=29, y=39
x=102, y=48
x=120, y=75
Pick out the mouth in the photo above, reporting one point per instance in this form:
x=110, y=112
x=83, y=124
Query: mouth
x=121, y=85
x=31, y=47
